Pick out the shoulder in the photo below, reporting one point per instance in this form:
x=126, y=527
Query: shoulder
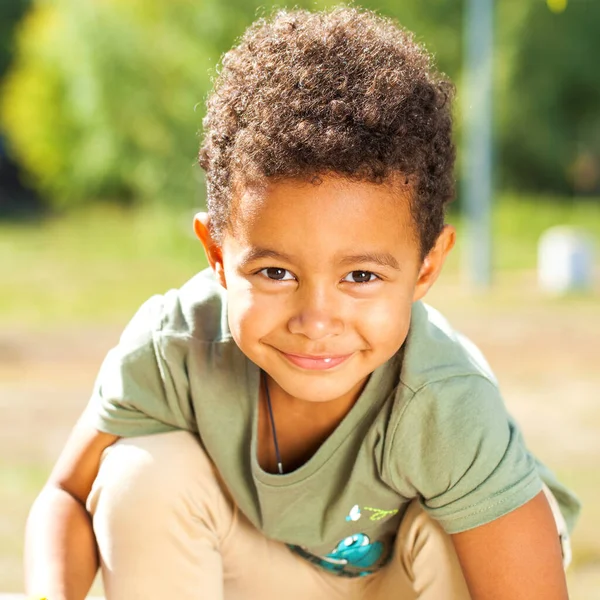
x=447, y=394
x=197, y=310
x=144, y=383
x=435, y=352
x=450, y=419
x=448, y=409
x=453, y=443
x=458, y=412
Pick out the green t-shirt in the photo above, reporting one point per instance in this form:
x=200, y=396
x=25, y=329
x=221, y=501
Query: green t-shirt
x=429, y=424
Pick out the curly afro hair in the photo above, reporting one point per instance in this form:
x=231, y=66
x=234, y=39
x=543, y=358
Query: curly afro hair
x=344, y=92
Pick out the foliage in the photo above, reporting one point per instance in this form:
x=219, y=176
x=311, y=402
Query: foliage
x=10, y=13
x=101, y=95
x=106, y=97
x=549, y=114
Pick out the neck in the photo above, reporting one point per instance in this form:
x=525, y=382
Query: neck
x=300, y=426
x=295, y=410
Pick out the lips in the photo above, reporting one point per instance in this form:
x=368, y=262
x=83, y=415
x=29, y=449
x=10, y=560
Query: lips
x=316, y=363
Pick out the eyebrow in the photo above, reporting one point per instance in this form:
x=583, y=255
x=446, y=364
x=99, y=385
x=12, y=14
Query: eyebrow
x=257, y=253
x=384, y=259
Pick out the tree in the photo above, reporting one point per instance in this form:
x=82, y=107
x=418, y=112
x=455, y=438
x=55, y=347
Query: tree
x=10, y=13
x=549, y=119
x=106, y=97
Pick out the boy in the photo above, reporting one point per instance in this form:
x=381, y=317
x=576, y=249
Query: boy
x=294, y=422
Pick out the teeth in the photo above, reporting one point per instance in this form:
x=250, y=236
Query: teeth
x=327, y=360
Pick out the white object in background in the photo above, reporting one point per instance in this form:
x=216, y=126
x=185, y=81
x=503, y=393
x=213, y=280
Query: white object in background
x=565, y=260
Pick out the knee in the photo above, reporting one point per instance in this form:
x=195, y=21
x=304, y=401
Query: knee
x=422, y=539
x=427, y=554
x=416, y=530
x=148, y=480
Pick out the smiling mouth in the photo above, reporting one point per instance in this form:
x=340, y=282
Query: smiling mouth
x=316, y=363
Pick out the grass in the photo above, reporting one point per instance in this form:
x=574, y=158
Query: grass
x=520, y=221
x=93, y=265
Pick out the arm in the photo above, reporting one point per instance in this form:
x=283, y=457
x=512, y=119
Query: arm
x=515, y=557
x=60, y=548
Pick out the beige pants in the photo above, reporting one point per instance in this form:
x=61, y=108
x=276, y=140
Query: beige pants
x=167, y=530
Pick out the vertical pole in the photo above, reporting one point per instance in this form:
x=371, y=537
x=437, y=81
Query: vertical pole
x=477, y=159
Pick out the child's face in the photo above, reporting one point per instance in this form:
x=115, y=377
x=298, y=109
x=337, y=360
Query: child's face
x=321, y=279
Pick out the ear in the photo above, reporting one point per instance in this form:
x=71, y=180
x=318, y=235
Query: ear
x=213, y=251
x=434, y=261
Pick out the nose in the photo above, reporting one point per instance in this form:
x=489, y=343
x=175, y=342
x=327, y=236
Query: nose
x=318, y=313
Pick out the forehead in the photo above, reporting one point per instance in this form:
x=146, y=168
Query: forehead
x=334, y=211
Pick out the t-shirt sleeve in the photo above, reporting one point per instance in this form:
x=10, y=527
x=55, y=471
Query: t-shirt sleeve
x=457, y=449
x=142, y=387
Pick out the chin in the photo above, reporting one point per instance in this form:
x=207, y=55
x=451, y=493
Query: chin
x=316, y=386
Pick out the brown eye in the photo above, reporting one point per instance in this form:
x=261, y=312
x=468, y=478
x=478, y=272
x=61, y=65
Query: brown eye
x=360, y=276
x=276, y=273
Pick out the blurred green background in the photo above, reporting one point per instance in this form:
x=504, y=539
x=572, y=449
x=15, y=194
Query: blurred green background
x=101, y=104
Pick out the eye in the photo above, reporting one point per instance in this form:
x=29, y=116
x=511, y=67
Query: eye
x=360, y=277
x=277, y=274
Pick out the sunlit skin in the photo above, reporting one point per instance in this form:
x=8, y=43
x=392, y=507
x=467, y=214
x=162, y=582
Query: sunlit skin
x=321, y=279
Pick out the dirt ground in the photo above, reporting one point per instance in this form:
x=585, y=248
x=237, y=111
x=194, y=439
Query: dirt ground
x=546, y=361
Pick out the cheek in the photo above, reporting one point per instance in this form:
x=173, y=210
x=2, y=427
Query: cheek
x=386, y=324
x=249, y=317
